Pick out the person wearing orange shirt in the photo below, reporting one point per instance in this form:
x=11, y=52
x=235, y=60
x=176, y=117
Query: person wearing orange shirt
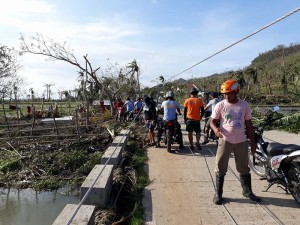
x=193, y=112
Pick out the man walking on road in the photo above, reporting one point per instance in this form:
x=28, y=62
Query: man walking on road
x=234, y=115
x=193, y=112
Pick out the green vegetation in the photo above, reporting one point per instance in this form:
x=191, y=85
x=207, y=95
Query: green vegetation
x=273, y=77
x=285, y=122
x=130, y=200
x=129, y=182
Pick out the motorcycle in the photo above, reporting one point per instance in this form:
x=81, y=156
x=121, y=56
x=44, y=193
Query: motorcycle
x=171, y=131
x=275, y=162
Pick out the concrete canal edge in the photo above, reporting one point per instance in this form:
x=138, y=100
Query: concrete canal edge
x=100, y=192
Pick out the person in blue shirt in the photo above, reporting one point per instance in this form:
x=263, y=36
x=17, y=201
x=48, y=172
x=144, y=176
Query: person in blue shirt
x=129, y=107
x=138, y=105
x=171, y=108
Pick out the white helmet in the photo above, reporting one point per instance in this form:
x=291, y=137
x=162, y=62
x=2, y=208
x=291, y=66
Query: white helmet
x=170, y=94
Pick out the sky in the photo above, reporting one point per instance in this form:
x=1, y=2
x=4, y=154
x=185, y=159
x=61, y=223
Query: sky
x=165, y=37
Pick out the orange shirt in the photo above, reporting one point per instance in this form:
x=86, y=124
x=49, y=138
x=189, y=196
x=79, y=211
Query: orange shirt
x=193, y=106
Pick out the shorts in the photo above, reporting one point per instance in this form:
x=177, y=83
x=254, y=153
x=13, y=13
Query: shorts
x=193, y=125
x=150, y=124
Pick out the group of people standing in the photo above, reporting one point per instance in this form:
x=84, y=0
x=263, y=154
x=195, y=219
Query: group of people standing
x=229, y=120
x=124, y=109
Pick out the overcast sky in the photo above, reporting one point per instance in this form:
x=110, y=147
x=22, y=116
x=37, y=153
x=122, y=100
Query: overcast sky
x=164, y=36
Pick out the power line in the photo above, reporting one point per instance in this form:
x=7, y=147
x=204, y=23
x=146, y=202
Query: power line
x=265, y=27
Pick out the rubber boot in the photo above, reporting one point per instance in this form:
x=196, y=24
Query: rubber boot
x=219, y=189
x=247, y=189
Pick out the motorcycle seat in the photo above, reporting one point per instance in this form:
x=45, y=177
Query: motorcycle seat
x=280, y=149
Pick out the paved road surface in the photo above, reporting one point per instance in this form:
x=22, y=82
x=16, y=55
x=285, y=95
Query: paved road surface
x=182, y=188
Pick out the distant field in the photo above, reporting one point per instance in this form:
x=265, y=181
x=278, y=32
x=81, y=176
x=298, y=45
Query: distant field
x=64, y=108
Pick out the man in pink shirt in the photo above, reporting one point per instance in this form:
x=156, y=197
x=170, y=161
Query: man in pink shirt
x=234, y=115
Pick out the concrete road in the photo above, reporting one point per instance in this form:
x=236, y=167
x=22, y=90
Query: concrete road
x=182, y=189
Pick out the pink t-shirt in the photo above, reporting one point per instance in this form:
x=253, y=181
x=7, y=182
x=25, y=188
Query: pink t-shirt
x=232, y=120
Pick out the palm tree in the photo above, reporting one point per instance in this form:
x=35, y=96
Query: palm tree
x=135, y=69
x=31, y=93
x=252, y=73
x=161, y=79
x=240, y=78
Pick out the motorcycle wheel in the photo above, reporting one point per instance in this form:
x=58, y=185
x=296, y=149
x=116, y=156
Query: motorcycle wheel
x=169, y=142
x=259, y=166
x=293, y=175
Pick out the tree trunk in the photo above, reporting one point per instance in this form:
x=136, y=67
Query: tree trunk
x=85, y=97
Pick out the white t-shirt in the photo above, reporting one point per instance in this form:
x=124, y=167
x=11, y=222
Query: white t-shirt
x=212, y=103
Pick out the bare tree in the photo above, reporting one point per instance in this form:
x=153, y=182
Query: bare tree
x=8, y=71
x=55, y=51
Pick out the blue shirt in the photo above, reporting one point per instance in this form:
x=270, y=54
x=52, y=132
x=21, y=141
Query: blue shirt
x=138, y=105
x=129, y=105
x=170, y=107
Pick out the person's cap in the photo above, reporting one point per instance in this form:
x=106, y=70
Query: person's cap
x=194, y=91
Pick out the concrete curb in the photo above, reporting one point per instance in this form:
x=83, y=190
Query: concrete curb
x=100, y=192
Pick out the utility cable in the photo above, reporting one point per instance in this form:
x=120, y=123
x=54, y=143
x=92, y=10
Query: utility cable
x=235, y=43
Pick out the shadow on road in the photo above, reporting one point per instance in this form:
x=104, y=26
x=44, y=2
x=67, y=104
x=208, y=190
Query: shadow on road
x=266, y=201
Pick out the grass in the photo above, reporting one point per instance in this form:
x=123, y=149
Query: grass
x=64, y=108
x=136, y=181
x=129, y=183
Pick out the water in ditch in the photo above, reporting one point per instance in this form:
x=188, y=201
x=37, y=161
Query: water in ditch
x=28, y=207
